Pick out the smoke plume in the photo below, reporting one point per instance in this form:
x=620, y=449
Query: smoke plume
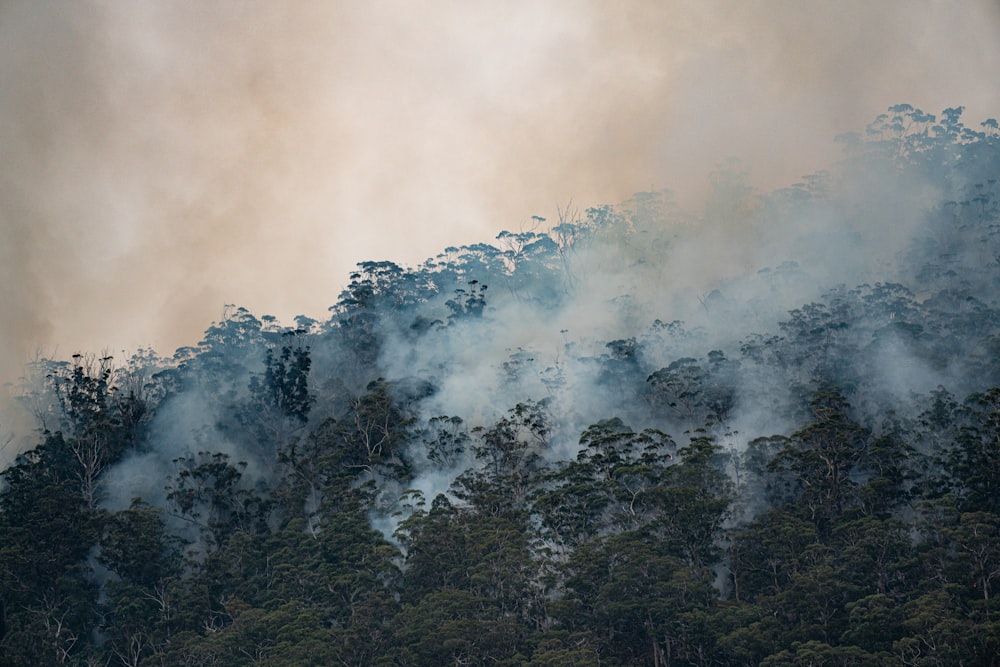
x=164, y=159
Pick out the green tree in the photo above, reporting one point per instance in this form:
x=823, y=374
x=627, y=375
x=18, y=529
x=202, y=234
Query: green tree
x=692, y=501
x=641, y=602
x=766, y=553
x=974, y=461
x=608, y=487
x=823, y=457
x=48, y=526
x=208, y=492
x=280, y=400
x=509, y=453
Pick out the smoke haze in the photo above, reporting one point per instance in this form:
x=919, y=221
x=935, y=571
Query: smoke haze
x=161, y=159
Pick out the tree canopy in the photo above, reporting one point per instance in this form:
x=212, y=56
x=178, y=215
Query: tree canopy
x=763, y=434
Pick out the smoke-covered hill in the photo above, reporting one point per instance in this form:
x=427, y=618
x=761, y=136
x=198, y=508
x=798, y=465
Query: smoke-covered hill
x=765, y=432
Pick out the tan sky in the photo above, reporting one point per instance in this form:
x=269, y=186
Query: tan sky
x=163, y=158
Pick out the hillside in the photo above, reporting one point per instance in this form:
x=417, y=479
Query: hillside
x=766, y=432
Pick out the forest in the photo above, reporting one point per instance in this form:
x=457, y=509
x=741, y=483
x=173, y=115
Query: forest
x=762, y=433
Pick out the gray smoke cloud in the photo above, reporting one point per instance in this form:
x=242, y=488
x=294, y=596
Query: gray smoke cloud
x=162, y=159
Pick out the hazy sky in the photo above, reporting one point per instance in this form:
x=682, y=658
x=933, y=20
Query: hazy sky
x=161, y=159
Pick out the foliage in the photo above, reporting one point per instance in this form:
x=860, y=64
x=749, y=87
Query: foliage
x=403, y=484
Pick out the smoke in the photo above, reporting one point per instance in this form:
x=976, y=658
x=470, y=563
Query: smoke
x=162, y=159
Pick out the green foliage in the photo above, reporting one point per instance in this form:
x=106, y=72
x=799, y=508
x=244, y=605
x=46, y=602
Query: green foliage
x=208, y=492
x=975, y=462
x=823, y=457
x=856, y=522
x=283, y=391
x=509, y=453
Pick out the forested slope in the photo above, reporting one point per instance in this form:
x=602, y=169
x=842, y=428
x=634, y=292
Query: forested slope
x=767, y=432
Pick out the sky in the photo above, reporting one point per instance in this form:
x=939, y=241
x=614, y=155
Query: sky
x=163, y=159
